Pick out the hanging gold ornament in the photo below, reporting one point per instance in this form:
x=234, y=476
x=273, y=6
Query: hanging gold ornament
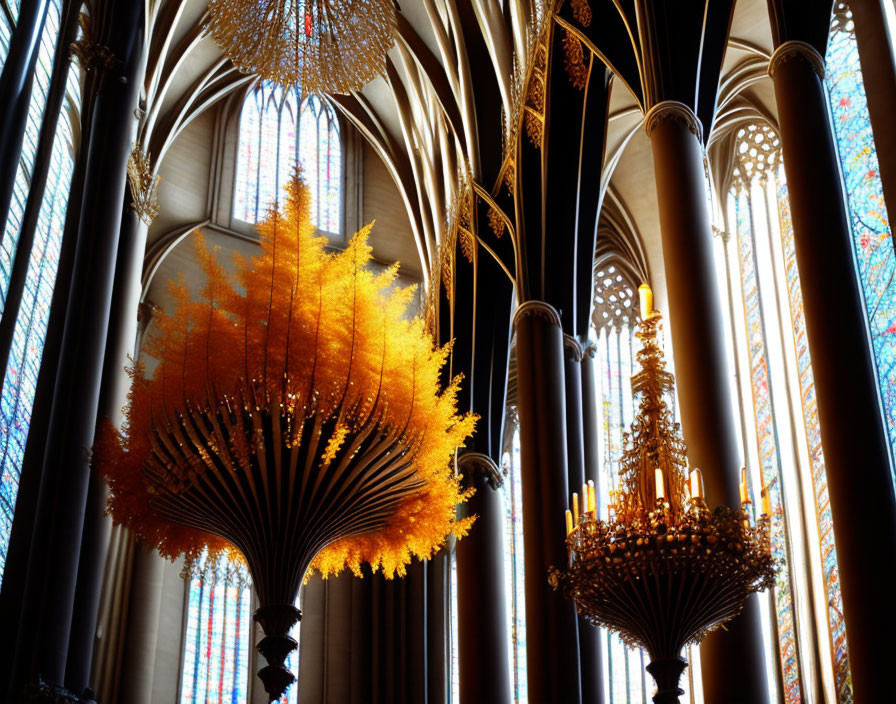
x=660, y=568
x=295, y=418
x=323, y=46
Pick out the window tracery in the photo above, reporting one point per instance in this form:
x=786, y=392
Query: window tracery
x=782, y=441
x=280, y=127
x=217, y=633
x=26, y=350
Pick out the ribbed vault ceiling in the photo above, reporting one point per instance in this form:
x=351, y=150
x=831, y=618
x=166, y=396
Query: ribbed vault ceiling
x=422, y=117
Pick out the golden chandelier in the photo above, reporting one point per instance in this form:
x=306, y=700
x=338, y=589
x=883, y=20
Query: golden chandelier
x=323, y=46
x=660, y=568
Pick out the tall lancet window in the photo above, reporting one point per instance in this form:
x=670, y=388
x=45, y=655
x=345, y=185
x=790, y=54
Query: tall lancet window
x=871, y=232
x=216, y=638
x=279, y=127
x=780, y=430
x=20, y=376
x=514, y=559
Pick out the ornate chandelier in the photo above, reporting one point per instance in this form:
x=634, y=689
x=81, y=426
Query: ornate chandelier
x=324, y=46
x=661, y=569
x=295, y=419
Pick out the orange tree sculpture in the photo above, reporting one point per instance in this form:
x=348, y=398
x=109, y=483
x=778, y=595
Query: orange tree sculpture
x=295, y=418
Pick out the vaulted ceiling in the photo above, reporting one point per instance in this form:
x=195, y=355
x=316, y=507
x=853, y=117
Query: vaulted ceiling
x=439, y=118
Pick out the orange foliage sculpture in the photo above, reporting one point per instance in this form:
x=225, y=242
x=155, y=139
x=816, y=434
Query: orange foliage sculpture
x=296, y=418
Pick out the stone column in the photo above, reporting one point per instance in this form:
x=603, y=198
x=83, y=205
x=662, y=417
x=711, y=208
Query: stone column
x=551, y=628
x=732, y=660
x=856, y=447
x=483, y=630
x=589, y=636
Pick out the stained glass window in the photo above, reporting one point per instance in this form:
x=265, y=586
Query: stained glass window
x=871, y=232
x=514, y=567
x=20, y=378
x=781, y=435
x=279, y=126
x=43, y=72
x=218, y=630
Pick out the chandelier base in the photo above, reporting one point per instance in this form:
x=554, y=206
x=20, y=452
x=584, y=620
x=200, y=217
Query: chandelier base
x=667, y=672
x=276, y=621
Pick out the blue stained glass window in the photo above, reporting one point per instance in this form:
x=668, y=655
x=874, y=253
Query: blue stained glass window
x=871, y=231
x=40, y=88
x=20, y=378
x=217, y=635
x=279, y=126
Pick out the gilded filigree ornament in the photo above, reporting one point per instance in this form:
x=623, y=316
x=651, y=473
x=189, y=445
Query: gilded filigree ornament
x=581, y=10
x=143, y=185
x=90, y=54
x=535, y=98
x=496, y=222
x=324, y=46
x=657, y=566
x=574, y=60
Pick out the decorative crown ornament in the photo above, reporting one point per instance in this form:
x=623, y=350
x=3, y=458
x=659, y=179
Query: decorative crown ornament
x=295, y=418
x=323, y=46
x=661, y=569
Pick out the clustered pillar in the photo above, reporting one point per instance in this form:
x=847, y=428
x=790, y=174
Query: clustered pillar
x=551, y=628
x=482, y=607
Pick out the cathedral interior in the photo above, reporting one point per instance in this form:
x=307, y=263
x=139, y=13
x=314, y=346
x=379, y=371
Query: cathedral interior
x=630, y=266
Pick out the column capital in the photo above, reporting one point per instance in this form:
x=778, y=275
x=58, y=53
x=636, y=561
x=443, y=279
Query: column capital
x=572, y=348
x=143, y=183
x=473, y=462
x=589, y=349
x=673, y=110
x=795, y=49
x=537, y=309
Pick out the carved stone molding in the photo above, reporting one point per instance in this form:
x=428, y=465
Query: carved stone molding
x=723, y=235
x=673, y=110
x=589, y=349
x=472, y=462
x=572, y=348
x=537, y=309
x=797, y=50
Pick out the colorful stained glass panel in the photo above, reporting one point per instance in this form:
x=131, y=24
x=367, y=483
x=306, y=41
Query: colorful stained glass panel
x=279, y=127
x=29, y=333
x=218, y=630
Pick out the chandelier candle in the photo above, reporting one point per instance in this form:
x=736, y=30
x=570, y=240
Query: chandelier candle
x=663, y=569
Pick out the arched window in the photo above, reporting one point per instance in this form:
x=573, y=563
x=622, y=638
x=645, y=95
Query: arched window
x=278, y=127
x=514, y=558
x=871, y=232
x=217, y=633
x=20, y=377
x=779, y=421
